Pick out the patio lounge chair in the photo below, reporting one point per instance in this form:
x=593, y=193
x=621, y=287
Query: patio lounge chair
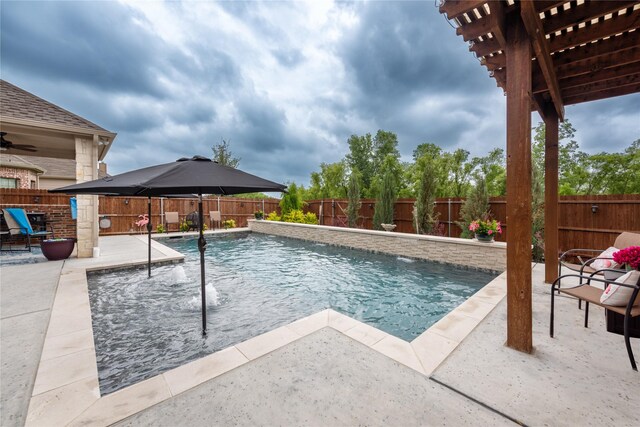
x=18, y=225
x=624, y=240
x=591, y=294
x=171, y=218
x=215, y=217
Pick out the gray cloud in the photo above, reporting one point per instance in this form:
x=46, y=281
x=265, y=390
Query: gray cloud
x=286, y=83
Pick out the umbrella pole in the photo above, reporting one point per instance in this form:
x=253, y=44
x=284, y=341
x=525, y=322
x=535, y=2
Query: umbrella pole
x=149, y=235
x=202, y=245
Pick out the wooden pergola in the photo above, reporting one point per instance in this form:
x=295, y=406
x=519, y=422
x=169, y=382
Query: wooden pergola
x=545, y=55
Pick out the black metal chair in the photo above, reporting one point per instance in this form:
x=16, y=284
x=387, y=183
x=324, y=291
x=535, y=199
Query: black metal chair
x=193, y=221
x=591, y=294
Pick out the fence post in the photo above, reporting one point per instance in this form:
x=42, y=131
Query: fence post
x=263, y=206
x=449, y=216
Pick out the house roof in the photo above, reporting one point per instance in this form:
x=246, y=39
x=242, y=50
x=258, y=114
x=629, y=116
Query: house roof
x=20, y=104
x=17, y=162
x=582, y=50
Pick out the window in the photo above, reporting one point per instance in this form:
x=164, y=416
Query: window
x=33, y=185
x=8, y=183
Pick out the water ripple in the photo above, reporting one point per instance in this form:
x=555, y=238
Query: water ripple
x=256, y=283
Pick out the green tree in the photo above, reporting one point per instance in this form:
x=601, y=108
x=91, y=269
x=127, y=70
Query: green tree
x=223, y=155
x=475, y=206
x=369, y=155
x=353, y=195
x=459, y=172
x=492, y=167
x=383, y=213
x=360, y=159
x=330, y=182
x=291, y=200
x=424, y=206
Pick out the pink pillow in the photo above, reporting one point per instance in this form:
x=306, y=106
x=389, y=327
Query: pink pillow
x=598, y=263
x=618, y=296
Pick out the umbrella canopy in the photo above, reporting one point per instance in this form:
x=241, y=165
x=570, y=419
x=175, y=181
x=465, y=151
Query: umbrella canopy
x=198, y=175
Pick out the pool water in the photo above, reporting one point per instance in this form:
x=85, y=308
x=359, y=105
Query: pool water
x=256, y=283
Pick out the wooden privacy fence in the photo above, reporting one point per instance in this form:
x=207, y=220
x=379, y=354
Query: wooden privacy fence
x=123, y=211
x=590, y=222
x=584, y=221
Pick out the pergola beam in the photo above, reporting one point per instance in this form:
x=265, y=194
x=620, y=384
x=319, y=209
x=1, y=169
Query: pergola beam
x=456, y=8
x=608, y=28
x=609, y=93
x=583, y=13
x=631, y=79
x=539, y=85
x=596, y=64
x=609, y=46
x=485, y=47
x=532, y=23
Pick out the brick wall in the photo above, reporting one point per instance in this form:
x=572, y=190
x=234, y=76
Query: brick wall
x=24, y=176
x=462, y=252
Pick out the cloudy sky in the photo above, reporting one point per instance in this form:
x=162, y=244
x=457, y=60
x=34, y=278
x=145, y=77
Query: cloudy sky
x=285, y=82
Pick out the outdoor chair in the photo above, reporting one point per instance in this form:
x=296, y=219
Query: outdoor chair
x=193, y=220
x=624, y=240
x=18, y=225
x=171, y=218
x=592, y=294
x=216, y=217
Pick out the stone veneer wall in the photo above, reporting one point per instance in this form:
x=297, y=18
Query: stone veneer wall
x=463, y=252
x=87, y=222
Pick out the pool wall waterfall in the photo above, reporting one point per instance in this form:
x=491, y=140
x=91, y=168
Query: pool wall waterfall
x=462, y=252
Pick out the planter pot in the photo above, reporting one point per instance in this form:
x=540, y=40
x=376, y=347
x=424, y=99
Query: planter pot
x=484, y=238
x=55, y=250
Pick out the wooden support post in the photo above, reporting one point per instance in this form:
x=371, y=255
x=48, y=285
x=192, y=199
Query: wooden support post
x=519, y=53
x=550, y=195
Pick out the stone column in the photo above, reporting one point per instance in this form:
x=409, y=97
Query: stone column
x=87, y=170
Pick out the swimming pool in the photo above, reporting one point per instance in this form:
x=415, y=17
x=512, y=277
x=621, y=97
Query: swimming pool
x=256, y=283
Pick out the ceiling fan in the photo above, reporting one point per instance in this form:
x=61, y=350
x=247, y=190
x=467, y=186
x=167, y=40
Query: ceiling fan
x=8, y=145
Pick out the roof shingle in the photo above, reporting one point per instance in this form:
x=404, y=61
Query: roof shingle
x=20, y=104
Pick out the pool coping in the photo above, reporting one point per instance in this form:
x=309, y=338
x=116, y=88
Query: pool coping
x=66, y=389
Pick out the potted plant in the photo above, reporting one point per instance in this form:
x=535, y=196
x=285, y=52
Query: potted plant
x=57, y=249
x=486, y=229
x=258, y=214
x=629, y=257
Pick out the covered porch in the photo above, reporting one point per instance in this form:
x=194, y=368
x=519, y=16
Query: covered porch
x=54, y=132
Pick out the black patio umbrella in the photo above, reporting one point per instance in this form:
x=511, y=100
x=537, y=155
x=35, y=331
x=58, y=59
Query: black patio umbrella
x=198, y=175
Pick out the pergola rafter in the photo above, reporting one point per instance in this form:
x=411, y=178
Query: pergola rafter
x=545, y=55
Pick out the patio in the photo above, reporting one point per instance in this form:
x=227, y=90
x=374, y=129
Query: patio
x=325, y=374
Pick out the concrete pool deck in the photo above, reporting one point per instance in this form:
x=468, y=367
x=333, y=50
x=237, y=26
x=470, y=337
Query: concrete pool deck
x=255, y=371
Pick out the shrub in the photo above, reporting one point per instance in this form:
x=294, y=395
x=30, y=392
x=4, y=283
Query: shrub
x=424, y=210
x=475, y=206
x=229, y=223
x=290, y=200
x=184, y=226
x=273, y=216
x=353, y=194
x=299, y=217
x=160, y=229
x=383, y=213
x=258, y=214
